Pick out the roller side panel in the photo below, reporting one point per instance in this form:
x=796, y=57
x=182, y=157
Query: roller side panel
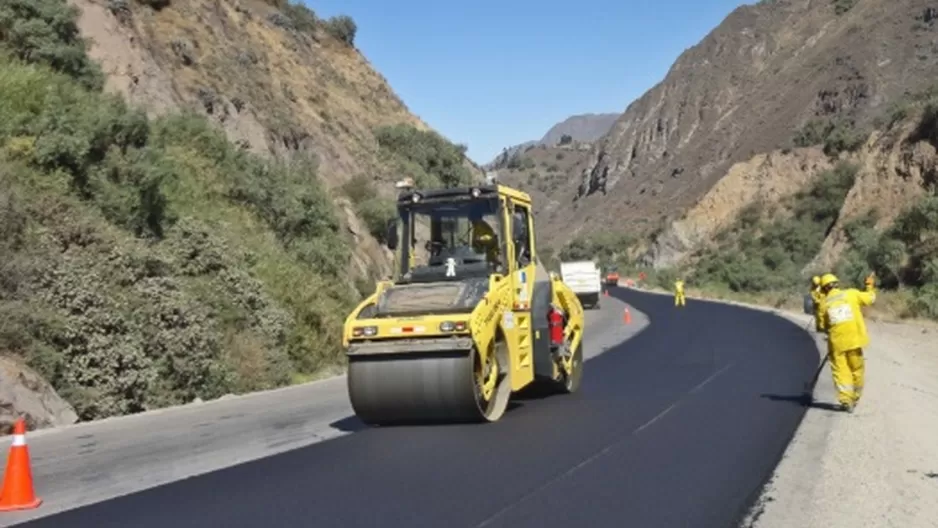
x=540, y=305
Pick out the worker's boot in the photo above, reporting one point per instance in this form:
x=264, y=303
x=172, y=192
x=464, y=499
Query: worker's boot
x=848, y=407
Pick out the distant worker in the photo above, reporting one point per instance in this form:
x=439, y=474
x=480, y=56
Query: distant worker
x=816, y=296
x=485, y=241
x=679, y=299
x=842, y=320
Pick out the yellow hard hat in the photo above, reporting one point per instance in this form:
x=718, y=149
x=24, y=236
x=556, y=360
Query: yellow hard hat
x=482, y=232
x=816, y=280
x=828, y=279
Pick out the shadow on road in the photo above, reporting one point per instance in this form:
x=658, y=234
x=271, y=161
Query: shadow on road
x=349, y=424
x=804, y=400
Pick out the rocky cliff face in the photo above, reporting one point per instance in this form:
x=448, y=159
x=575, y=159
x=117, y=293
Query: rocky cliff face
x=23, y=393
x=274, y=77
x=747, y=88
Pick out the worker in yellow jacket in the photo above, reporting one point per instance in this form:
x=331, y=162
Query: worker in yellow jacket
x=679, y=293
x=842, y=320
x=816, y=296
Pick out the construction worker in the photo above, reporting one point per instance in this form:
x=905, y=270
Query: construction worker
x=842, y=320
x=485, y=241
x=817, y=296
x=679, y=293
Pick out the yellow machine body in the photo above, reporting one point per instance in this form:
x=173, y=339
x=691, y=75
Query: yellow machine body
x=453, y=335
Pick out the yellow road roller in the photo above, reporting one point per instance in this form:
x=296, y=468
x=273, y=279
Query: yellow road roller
x=469, y=317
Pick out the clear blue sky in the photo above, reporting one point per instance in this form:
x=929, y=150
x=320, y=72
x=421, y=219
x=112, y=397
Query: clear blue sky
x=491, y=74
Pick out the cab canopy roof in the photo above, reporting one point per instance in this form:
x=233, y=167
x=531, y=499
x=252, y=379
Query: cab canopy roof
x=451, y=194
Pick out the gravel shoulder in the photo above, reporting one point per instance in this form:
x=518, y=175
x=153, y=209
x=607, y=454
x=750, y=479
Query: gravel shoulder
x=877, y=467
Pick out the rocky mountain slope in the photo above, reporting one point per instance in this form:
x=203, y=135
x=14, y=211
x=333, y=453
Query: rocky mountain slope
x=208, y=237
x=273, y=76
x=781, y=73
x=585, y=128
x=581, y=128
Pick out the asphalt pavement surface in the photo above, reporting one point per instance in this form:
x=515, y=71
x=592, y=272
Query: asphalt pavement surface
x=678, y=426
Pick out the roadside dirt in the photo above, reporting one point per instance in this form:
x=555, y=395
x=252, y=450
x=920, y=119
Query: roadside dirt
x=876, y=467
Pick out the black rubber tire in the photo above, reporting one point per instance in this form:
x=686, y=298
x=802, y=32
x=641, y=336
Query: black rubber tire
x=571, y=384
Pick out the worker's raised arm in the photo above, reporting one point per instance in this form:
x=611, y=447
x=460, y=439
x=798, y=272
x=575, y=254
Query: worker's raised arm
x=868, y=296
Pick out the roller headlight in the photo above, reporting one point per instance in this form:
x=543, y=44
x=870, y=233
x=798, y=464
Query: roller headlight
x=452, y=326
x=365, y=331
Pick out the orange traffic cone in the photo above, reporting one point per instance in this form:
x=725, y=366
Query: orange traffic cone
x=627, y=317
x=17, y=492
x=606, y=292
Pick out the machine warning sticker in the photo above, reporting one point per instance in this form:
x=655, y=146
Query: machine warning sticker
x=508, y=320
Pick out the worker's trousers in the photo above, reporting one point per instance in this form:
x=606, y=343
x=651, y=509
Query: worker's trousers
x=679, y=299
x=847, y=369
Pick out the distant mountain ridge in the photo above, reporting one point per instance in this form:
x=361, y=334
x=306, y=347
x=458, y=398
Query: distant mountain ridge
x=583, y=128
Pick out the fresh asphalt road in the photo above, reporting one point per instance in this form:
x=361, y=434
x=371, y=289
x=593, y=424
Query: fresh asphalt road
x=91, y=462
x=678, y=426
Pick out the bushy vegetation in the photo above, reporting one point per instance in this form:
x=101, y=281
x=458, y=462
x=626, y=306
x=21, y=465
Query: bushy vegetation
x=842, y=6
x=301, y=18
x=766, y=248
x=343, y=28
x=904, y=256
x=45, y=32
x=607, y=247
x=150, y=262
x=836, y=136
x=374, y=210
x=424, y=155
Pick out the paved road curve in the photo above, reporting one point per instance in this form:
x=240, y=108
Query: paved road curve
x=679, y=426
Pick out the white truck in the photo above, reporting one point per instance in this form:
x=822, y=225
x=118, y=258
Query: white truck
x=585, y=279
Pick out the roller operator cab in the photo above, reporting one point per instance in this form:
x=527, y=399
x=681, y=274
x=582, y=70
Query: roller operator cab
x=470, y=316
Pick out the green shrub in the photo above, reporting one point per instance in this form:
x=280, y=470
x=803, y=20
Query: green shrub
x=147, y=263
x=835, y=135
x=842, y=6
x=765, y=251
x=905, y=256
x=374, y=210
x=45, y=32
x=303, y=18
x=606, y=247
x=375, y=213
x=430, y=158
x=343, y=28
x=515, y=161
x=156, y=4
